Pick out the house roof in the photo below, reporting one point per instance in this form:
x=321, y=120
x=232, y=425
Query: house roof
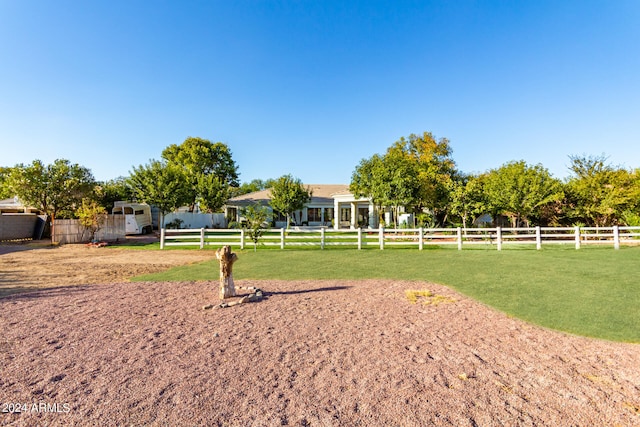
x=11, y=205
x=320, y=194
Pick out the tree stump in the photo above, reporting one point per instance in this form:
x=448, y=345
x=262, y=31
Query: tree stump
x=226, y=258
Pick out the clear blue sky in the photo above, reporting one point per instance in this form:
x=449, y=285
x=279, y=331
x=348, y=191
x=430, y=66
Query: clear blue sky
x=312, y=87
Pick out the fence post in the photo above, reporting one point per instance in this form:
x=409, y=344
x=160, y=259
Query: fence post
x=282, y=238
x=322, y=238
x=202, y=238
x=538, y=238
x=499, y=237
x=242, y=238
x=381, y=237
x=420, y=239
x=162, y=238
x=616, y=237
x=459, y=230
x=577, y=233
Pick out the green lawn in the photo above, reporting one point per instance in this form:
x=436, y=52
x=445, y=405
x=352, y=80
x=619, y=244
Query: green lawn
x=592, y=291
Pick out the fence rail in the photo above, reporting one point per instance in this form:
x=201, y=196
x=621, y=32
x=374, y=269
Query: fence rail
x=416, y=237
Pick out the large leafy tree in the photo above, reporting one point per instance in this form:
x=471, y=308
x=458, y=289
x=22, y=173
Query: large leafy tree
x=212, y=193
x=369, y=179
x=600, y=194
x=520, y=191
x=160, y=184
x=415, y=172
x=207, y=167
x=389, y=181
x=434, y=170
x=289, y=195
x=55, y=188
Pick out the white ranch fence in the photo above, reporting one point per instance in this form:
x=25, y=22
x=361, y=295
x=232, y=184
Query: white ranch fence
x=416, y=237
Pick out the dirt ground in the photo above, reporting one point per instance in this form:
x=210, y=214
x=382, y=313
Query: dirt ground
x=25, y=267
x=90, y=348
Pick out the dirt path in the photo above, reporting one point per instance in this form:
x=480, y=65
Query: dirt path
x=318, y=353
x=36, y=266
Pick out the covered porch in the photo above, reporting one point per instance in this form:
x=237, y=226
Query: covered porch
x=351, y=212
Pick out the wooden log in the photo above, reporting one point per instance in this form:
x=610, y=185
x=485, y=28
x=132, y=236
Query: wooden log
x=254, y=296
x=226, y=259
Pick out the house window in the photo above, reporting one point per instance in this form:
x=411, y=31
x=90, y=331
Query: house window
x=279, y=216
x=314, y=214
x=345, y=214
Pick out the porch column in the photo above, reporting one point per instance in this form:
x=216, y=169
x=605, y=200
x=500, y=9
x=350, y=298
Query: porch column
x=373, y=218
x=354, y=215
x=336, y=214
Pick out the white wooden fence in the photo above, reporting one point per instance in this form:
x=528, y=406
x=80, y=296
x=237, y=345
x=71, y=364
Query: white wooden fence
x=417, y=237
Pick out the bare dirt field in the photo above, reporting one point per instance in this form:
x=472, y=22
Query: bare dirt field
x=90, y=348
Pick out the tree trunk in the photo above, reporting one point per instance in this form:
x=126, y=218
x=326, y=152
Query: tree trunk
x=53, y=230
x=226, y=259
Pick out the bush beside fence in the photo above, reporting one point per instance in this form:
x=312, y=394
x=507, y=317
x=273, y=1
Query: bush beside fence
x=418, y=237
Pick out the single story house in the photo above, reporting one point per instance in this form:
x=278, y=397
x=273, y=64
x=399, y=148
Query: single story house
x=331, y=205
x=15, y=206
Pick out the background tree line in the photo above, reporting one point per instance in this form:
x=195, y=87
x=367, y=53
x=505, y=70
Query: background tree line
x=417, y=173
x=195, y=172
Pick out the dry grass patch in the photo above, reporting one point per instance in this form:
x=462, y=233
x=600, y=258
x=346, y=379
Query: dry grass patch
x=426, y=297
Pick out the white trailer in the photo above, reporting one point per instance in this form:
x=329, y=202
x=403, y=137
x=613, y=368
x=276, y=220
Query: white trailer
x=137, y=217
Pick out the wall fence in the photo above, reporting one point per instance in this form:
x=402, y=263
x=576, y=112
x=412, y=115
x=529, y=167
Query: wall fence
x=17, y=226
x=71, y=231
x=418, y=237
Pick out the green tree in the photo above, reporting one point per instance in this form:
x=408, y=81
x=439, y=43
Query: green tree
x=160, y=184
x=288, y=195
x=467, y=198
x=369, y=179
x=257, y=217
x=600, y=194
x=92, y=216
x=109, y=192
x=416, y=172
x=53, y=188
x=212, y=193
x=390, y=181
x=434, y=170
x=6, y=192
x=402, y=183
x=201, y=161
x=520, y=191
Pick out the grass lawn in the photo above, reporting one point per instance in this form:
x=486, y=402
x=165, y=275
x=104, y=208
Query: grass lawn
x=592, y=291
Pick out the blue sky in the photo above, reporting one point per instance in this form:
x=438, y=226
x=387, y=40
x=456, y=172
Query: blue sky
x=312, y=87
